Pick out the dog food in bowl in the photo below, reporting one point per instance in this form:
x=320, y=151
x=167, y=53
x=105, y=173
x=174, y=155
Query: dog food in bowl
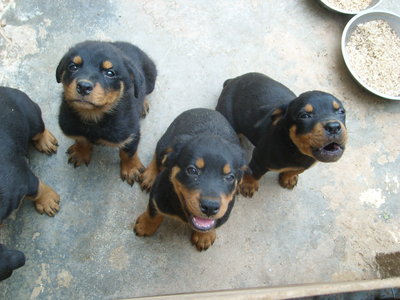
x=373, y=51
x=351, y=5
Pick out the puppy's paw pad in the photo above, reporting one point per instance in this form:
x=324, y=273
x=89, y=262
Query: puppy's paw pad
x=203, y=240
x=288, y=182
x=131, y=175
x=78, y=155
x=145, y=225
x=248, y=189
x=147, y=180
x=49, y=203
x=45, y=142
x=131, y=170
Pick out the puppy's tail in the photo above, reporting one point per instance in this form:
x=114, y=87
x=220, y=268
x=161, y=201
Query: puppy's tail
x=226, y=82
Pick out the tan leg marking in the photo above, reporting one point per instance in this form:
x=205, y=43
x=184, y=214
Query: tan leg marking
x=145, y=109
x=249, y=185
x=47, y=200
x=203, y=240
x=131, y=167
x=45, y=142
x=149, y=175
x=288, y=180
x=80, y=152
x=146, y=225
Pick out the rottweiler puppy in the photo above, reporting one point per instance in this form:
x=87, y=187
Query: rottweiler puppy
x=105, y=85
x=9, y=261
x=21, y=123
x=289, y=133
x=193, y=176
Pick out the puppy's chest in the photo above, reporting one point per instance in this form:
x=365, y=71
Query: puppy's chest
x=110, y=131
x=278, y=157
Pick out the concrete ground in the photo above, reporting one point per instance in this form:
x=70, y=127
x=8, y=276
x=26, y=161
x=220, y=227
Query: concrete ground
x=328, y=229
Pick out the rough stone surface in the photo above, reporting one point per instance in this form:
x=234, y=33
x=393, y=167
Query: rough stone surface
x=329, y=228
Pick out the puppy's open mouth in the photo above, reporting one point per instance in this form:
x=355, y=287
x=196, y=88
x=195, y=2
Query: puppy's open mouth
x=329, y=153
x=202, y=224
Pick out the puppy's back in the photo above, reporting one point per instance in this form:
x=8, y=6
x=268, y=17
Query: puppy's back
x=248, y=98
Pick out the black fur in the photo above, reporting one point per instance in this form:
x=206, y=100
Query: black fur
x=9, y=261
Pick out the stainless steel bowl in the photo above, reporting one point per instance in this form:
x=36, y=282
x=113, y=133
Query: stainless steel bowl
x=329, y=6
x=394, y=22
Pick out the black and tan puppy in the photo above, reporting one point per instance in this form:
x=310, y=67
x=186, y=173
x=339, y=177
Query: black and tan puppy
x=21, y=123
x=289, y=133
x=193, y=176
x=105, y=85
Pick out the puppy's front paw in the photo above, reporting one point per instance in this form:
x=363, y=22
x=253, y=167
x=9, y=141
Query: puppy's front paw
x=288, y=181
x=203, y=240
x=146, y=225
x=79, y=154
x=47, y=201
x=248, y=186
x=45, y=142
x=149, y=175
x=131, y=168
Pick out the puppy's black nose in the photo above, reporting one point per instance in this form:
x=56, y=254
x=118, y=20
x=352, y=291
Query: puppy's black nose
x=84, y=87
x=209, y=207
x=333, y=127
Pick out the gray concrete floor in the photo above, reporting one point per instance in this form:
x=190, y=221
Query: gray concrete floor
x=327, y=229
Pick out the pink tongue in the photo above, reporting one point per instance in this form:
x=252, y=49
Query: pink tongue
x=203, y=222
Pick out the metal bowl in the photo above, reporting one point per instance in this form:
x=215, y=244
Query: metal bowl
x=328, y=5
x=392, y=19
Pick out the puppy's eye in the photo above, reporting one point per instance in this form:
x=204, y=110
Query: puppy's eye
x=109, y=73
x=341, y=111
x=304, y=116
x=192, y=170
x=73, y=67
x=229, y=177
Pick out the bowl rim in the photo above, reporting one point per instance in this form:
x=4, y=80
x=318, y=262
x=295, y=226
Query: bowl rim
x=348, y=12
x=347, y=59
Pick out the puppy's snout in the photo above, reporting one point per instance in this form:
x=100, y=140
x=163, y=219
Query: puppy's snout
x=84, y=87
x=333, y=127
x=209, y=207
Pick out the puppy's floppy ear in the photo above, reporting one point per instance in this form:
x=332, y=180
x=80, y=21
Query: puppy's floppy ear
x=135, y=75
x=170, y=155
x=62, y=65
x=271, y=117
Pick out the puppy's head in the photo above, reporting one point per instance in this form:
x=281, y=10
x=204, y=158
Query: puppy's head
x=205, y=172
x=317, y=125
x=95, y=75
